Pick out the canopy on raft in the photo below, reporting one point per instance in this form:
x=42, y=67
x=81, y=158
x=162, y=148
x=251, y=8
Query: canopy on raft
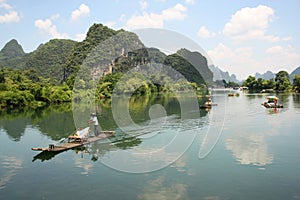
x=82, y=133
x=271, y=98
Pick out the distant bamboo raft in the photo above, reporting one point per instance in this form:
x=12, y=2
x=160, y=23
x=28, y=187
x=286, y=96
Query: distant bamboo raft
x=233, y=94
x=268, y=105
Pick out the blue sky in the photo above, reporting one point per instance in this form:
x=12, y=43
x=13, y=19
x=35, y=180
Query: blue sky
x=242, y=37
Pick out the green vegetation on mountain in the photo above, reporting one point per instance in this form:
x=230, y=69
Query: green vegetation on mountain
x=192, y=65
x=12, y=55
x=96, y=34
x=50, y=58
x=106, y=56
x=155, y=55
x=199, y=62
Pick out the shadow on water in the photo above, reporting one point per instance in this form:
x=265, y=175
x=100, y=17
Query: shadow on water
x=45, y=155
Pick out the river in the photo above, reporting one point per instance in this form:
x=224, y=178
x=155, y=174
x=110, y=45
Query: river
x=236, y=150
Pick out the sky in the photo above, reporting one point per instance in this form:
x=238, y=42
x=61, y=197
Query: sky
x=240, y=36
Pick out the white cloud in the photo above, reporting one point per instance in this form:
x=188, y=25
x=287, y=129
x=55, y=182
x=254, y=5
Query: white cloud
x=279, y=57
x=250, y=23
x=80, y=37
x=271, y=38
x=238, y=61
x=143, y=4
x=47, y=26
x=145, y=21
x=5, y=5
x=122, y=17
x=205, y=33
x=110, y=24
x=189, y=1
x=274, y=49
x=153, y=20
x=287, y=39
x=10, y=16
x=83, y=10
x=243, y=62
x=55, y=16
x=177, y=12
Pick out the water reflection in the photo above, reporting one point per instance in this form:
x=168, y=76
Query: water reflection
x=159, y=188
x=249, y=149
x=272, y=111
x=57, y=122
x=54, y=121
x=14, y=122
x=10, y=165
x=296, y=101
x=86, y=166
x=143, y=111
x=247, y=135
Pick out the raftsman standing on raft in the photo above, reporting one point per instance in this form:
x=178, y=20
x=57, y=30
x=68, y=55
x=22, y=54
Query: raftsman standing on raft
x=272, y=102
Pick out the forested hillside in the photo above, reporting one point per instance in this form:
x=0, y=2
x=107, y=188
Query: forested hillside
x=12, y=55
x=47, y=74
x=96, y=34
x=49, y=60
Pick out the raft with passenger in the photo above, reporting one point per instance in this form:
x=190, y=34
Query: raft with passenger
x=79, y=138
x=272, y=102
x=208, y=104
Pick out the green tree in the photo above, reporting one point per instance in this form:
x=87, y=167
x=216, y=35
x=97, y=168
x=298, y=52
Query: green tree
x=268, y=84
x=282, y=82
x=251, y=83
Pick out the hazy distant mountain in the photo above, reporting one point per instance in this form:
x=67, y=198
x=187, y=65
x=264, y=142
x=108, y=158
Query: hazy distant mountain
x=12, y=55
x=267, y=75
x=292, y=75
x=218, y=74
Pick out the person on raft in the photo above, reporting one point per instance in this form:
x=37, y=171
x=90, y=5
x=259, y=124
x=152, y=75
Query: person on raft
x=94, y=120
x=208, y=102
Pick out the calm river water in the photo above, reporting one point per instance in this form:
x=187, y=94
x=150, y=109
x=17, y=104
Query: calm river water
x=255, y=152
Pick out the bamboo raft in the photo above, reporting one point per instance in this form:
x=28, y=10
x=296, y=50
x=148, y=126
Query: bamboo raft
x=208, y=105
x=75, y=141
x=268, y=105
